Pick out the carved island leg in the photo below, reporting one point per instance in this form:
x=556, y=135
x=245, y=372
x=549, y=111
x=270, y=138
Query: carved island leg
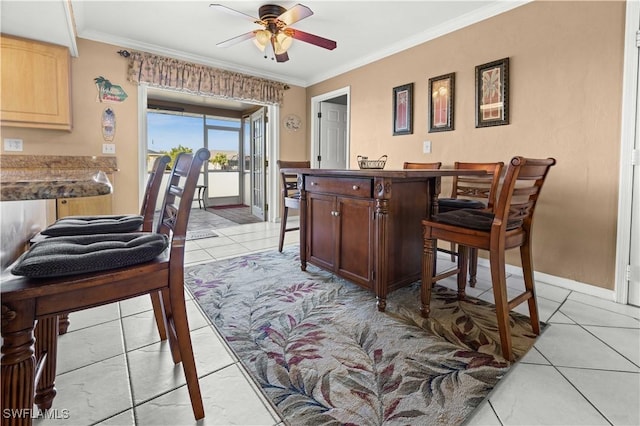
x=63, y=323
x=18, y=362
x=46, y=348
x=428, y=254
x=434, y=193
x=303, y=223
x=382, y=242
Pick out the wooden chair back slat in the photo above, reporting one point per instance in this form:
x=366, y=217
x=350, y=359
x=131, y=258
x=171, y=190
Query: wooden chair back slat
x=152, y=191
x=426, y=166
x=478, y=187
x=522, y=184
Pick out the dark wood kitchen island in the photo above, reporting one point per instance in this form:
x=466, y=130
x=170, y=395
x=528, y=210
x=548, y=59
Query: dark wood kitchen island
x=365, y=225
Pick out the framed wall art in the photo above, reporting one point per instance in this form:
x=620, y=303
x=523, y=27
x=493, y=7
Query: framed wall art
x=492, y=93
x=403, y=110
x=441, y=102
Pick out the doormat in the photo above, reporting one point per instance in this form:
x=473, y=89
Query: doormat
x=200, y=234
x=229, y=206
x=240, y=215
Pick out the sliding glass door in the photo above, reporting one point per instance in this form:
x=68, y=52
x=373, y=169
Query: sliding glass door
x=224, y=176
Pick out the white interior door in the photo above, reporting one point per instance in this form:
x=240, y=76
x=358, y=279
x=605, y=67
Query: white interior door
x=319, y=134
x=259, y=163
x=332, y=150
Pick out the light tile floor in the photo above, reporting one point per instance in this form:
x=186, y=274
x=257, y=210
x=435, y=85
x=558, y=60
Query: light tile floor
x=113, y=370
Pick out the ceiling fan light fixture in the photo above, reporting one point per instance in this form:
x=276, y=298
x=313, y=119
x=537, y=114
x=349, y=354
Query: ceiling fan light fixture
x=258, y=45
x=276, y=36
x=282, y=43
x=263, y=37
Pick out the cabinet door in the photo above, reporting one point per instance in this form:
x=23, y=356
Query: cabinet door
x=321, y=229
x=35, y=84
x=84, y=206
x=355, y=240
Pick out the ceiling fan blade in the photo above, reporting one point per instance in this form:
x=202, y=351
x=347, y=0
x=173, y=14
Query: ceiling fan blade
x=295, y=14
x=283, y=57
x=311, y=38
x=280, y=57
x=235, y=40
x=234, y=12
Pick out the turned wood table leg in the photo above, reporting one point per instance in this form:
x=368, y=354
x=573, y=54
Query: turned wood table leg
x=18, y=362
x=46, y=335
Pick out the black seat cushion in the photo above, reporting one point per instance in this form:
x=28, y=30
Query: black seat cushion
x=474, y=219
x=62, y=256
x=449, y=204
x=85, y=225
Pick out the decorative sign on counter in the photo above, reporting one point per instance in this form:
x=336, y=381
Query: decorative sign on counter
x=108, y=92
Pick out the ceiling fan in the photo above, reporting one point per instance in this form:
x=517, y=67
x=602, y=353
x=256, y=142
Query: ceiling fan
x=277, y=35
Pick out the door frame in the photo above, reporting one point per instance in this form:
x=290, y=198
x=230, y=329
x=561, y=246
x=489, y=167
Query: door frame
x=273, y=151
x=628, y=138
x=315, y=131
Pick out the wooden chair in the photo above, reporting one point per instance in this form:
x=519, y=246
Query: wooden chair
x=147, y=211
x=508, y=227
x=428, y=166
x=475, y=192
x=27, y=300
x=290, y=194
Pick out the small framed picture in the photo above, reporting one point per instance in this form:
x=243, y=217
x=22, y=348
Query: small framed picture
x=442, y=97
x=403, y=110
x=492, y=93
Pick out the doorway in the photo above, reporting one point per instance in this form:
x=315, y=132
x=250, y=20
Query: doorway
x=227, y=130
x=330, y=114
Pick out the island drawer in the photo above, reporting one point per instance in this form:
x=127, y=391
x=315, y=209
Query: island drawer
x=355, y=187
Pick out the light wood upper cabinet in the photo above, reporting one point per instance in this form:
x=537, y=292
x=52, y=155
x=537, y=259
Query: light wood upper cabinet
x=35, y=89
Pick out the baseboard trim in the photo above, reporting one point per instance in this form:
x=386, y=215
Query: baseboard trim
x=565, y=283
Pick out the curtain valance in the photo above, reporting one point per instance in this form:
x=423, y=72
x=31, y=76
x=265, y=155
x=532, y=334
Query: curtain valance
x=161, y=71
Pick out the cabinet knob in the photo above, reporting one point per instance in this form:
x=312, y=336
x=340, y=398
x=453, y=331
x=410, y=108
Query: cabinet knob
x=356, y=187
x=63, y=202
x=313, y=183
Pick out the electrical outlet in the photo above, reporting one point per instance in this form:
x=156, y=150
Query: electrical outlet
x=108, y=148
x=13, y=144
x=426, y=147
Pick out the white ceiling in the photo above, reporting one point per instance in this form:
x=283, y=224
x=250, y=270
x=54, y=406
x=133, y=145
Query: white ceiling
x=364, y=30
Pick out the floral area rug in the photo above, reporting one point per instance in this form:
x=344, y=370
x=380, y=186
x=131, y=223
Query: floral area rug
x=323, y=354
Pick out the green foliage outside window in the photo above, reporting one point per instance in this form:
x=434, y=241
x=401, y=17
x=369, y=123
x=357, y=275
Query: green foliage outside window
x=220, y=159
x=173, y=153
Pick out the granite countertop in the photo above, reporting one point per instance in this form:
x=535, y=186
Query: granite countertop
x=30, y=177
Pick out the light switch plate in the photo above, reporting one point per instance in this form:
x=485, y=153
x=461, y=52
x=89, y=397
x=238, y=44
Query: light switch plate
x=108, y=148
x=13, y=144
x=426, y=147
